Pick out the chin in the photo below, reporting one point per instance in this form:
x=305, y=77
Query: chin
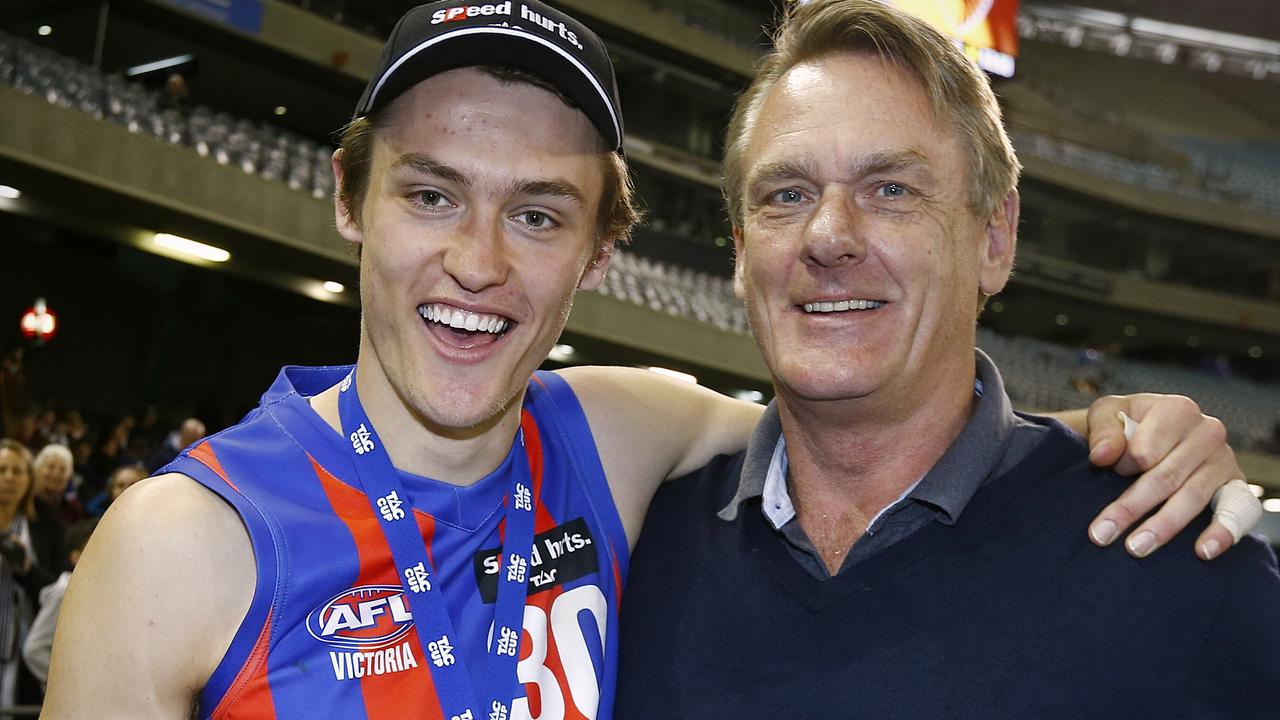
x=466, y=411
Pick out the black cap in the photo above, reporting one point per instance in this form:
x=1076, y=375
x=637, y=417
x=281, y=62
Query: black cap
x=524, y=34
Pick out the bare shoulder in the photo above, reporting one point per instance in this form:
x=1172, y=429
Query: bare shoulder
x=153, y=604
x=649, y=428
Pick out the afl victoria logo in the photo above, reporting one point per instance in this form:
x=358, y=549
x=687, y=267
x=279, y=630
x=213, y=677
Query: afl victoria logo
x=362, y=618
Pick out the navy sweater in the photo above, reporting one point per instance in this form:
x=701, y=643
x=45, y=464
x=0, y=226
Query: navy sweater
x=1011, y=613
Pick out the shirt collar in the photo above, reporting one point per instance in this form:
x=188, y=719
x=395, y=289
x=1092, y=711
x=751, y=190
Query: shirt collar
x=761, y=449
x=948, y=486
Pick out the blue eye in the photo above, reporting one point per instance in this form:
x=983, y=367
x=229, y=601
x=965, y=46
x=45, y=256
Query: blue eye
x=790, y=195
x=893, y=190
x=429, y=198
x=536, y=219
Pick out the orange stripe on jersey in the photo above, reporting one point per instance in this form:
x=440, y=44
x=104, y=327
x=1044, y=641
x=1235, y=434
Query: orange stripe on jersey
x=542, y=520
x=394, y=696
x=206, y=456
x=249, y=695
x=426, y=528
x=617, y=580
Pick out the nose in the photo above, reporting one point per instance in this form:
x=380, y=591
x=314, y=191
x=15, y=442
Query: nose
x=833, y=236
x=477, y=256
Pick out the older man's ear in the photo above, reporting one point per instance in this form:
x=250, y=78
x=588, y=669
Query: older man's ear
x=1000, y=244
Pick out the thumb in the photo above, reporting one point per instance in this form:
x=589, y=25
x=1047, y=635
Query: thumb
x=1108, y=437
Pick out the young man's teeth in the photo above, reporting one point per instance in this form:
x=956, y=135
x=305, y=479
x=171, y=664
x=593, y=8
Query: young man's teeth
x=841, y=306
x=462, y=319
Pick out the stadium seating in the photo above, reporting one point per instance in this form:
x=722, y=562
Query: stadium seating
x=1037, y=373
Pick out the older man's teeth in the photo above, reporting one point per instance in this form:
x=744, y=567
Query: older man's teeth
x=463, y=319
x=841, y=306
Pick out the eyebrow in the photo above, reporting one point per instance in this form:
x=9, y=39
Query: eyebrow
x=429, y=166
x=886, y=161
x=548, y=188
x=425, y=165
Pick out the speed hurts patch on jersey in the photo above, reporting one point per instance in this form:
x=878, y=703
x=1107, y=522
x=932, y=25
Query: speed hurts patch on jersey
x=559, y=555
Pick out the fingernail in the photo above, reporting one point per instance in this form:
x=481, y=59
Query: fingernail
x=1209, y=550
x=1142, y=543
x=1097, y=449
x=1103, y=532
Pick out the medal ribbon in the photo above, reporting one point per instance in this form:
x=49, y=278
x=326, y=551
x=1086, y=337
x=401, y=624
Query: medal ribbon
x=380, y=482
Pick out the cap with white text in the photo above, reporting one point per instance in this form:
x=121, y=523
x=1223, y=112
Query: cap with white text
x=523, y=34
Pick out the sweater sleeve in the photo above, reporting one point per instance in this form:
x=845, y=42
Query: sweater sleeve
x=1240, y=658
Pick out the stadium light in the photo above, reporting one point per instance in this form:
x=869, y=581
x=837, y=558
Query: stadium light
x=334, y=287
x=561, y=353
x=9, y=192
x=191, y=247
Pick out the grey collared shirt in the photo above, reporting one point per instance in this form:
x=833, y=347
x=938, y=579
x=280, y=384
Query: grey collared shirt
x=993, y=441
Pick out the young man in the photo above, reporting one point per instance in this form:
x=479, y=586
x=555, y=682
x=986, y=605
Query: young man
x=430, y=533
x=876, y=550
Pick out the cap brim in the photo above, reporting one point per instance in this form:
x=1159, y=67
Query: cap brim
x=502, y=46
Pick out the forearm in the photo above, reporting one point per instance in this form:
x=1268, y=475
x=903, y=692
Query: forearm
x=1077, y=420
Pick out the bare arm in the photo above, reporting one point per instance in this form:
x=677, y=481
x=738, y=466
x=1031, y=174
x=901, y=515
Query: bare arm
x=152, y=606
x=650, y=428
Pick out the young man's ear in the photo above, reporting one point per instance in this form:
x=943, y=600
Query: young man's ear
x=348, y=226
x=595, y=272
x=999, y=245
x=739, y=284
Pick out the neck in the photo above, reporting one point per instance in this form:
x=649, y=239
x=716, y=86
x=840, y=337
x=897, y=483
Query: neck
x=52, y=499
x=7, y=514
x=459, y=456
x=849, y=459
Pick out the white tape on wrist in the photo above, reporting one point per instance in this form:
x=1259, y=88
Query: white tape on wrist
x=1236, y=508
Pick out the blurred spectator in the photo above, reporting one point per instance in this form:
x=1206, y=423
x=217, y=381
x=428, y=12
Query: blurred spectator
x=121, y=479
x=190, y=431
x=54, y=499
x=21, y=576
x=112, y=451
x=48, y=430
x=76, y=427
x=28, y=427
x=39, y=642
x=87, y=481
x=13, y=391
x=148, y=433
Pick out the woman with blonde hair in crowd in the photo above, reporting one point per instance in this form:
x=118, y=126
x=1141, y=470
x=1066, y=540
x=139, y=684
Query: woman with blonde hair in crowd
x=16, y=563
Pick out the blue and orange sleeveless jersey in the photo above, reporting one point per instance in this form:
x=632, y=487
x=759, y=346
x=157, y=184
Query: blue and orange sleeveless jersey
x=329, y=633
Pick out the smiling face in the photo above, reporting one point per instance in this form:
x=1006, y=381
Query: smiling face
x=15, y=476
x=53, y=472
x=477, y=229
x=859, y=259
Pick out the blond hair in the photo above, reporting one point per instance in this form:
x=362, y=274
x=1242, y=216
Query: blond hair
x=958, y=92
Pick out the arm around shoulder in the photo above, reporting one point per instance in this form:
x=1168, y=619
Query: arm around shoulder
x=152, y=606
x=650, y=428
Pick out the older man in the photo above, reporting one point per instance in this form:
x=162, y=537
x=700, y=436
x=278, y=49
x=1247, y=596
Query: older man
x=432, y=533
x=880, y=548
